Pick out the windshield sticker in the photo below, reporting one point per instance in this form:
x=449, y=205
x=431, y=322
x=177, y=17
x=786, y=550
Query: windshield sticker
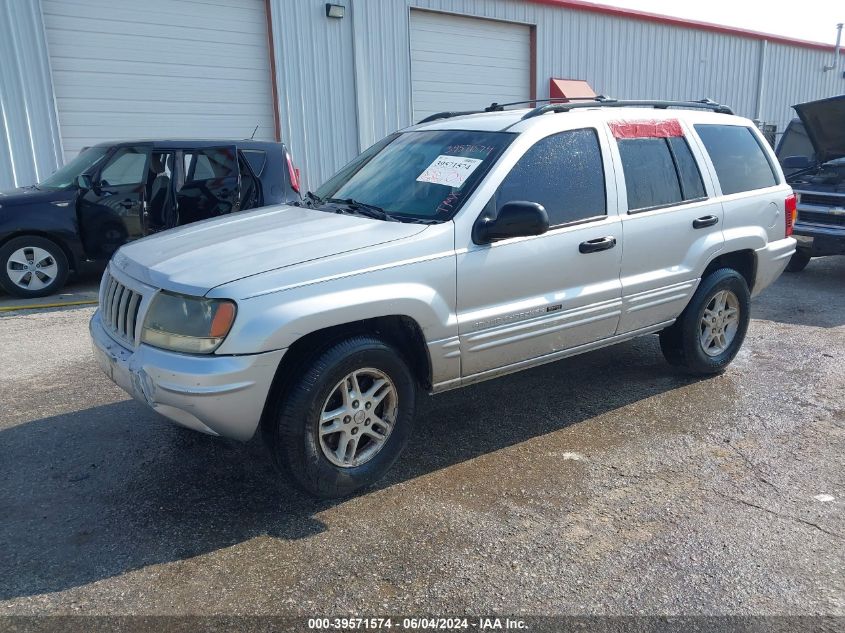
x=451, y=171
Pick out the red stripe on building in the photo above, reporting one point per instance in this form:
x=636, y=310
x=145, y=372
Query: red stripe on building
x=646, y=129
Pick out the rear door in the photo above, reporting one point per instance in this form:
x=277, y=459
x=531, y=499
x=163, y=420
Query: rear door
x=111, y=212
x=211, y=183
x=671, y=219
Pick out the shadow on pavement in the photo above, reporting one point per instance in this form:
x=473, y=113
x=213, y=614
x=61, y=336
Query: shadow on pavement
x=814, y=297
x=99, y=492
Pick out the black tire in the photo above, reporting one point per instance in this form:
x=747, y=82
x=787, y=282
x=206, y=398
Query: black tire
x=797, y=262
x=681, y=343
x=56, y=255
x=293, y=434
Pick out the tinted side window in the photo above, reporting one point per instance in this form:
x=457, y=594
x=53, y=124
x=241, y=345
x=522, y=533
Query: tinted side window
x=740, y=162
x=650, y=175
x=125, y=168
x=210, y=164
x=692, y=186
x=256, y=160
x=562, y=172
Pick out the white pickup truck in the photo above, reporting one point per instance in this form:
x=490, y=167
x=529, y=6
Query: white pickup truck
x=460, y=249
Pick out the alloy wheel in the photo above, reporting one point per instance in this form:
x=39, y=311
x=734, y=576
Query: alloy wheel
x=358, y=417
x=32, y=268
x=719, y=323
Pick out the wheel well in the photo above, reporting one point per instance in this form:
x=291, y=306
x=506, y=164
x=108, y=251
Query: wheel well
x=744, y=262
x=400, y=331
x=71, y=260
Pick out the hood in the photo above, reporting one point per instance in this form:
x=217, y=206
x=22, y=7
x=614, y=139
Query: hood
x=824, y=121
x=200, y=256
x=29, y=195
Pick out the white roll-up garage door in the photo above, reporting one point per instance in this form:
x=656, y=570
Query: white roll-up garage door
x=124, y=69
x=465, y=63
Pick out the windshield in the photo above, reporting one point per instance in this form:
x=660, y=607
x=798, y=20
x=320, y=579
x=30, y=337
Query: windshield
x=66, y=176
x=418, y=175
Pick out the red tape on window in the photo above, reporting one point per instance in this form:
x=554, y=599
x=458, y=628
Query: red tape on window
x=646, y=129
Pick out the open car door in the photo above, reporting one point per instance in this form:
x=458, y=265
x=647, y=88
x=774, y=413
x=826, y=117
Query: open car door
x=211, y=184
x=110, y=212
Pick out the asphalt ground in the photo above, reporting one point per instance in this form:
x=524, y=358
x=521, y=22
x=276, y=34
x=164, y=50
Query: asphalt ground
x=601, y=484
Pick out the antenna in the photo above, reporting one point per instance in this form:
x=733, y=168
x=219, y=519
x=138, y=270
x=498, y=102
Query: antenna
x=253, y=133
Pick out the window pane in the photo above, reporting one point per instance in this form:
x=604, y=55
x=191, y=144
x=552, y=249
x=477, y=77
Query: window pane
x=650, y=175
x=738, y=158
x=424, y=174
x=214, y=163
x=125, y=168
x=562, y=172
x=691, y=185
x=256, y=160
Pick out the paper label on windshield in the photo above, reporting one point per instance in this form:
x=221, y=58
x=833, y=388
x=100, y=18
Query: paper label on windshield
x=451, y=171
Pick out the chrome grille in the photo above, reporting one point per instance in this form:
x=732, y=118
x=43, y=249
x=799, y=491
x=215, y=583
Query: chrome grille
x=119, y=306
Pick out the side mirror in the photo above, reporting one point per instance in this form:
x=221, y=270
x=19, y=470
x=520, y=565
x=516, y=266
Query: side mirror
x=84, y=182
x=515, y=219
x=796, y=162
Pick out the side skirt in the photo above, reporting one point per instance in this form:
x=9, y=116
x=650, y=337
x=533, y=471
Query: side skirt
x=546, y=358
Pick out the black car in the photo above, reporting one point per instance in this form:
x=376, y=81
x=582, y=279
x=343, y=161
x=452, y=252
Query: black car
x=812, y=152
x=116, y=192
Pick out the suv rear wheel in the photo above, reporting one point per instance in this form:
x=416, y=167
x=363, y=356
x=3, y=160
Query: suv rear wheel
x=710, y=331
x=32, y=266
x=345, y=418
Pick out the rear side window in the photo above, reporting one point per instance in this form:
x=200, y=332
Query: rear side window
x=564, y=173
x=739, y=160
x=210, y=164
x=256, y=159
x=659, y=171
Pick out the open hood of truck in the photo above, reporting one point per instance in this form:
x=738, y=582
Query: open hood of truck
x=824, y=121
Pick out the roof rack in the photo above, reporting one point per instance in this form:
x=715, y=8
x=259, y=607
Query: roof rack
x=499, y=107
x=606, y=102
x=561, y=104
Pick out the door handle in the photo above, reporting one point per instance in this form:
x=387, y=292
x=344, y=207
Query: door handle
x=598, y=244
x=707, y=220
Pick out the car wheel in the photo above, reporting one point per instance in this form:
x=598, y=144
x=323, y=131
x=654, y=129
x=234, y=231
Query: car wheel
x=710, y=331
x=32, y=266
x=344, y=418
x=797, y=262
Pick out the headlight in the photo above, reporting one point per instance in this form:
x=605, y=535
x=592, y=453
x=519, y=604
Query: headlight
x=187, y=324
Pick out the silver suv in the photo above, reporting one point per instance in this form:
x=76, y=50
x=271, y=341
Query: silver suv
x=457, y=250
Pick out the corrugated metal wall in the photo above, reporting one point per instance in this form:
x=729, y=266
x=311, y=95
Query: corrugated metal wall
x=620, y=57
x=30, y=148
x=316, y=81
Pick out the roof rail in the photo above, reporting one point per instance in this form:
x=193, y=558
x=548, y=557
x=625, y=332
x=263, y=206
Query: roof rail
x=605, y=102
x=499, y=107
x=447, y=115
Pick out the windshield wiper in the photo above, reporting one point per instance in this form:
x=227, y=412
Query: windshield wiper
x=313, y=198
x=362, y=208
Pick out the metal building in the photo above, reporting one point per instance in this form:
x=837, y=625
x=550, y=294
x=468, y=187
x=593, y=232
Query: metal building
x=332, y=79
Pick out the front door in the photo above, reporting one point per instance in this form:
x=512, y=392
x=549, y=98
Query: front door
x=111, y=211
x=521, y=299
x=211, y=184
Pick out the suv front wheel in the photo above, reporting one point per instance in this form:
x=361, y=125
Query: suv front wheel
x=344, y=418
x=710, y=331
x=32, y=266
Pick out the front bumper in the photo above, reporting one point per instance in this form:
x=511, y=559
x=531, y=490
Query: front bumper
x=771, y=262
x=220, y=395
